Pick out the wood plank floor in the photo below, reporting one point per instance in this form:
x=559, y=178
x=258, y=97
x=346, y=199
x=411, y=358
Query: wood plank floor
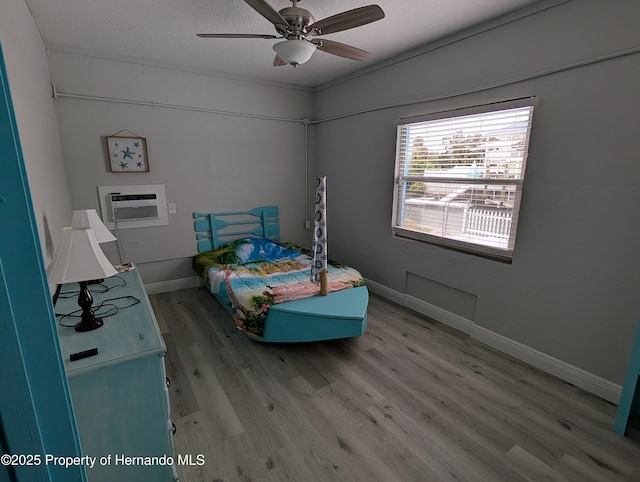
x=411, y=400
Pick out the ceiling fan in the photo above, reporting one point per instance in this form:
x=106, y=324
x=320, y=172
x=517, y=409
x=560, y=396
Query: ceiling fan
x=296, y=25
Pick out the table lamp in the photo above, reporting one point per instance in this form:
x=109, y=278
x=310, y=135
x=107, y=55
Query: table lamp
x=78, y=259
x=88, y=218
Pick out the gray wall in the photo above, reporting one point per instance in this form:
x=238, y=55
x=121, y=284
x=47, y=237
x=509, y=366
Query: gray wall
x=27, y=68
x=572, y=291
x=233, y=156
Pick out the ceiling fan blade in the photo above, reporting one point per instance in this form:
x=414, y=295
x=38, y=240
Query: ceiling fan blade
x=278, y=62
x=346, y=20
x=235, y=35
x=342, y=50
x=267, y=12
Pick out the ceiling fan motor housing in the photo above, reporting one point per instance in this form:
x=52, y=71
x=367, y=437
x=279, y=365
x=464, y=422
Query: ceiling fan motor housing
x=299, y=19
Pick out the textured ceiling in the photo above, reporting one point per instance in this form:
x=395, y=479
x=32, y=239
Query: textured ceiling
x=165, y=31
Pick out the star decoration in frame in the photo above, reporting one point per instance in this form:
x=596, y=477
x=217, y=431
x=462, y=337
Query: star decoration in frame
x=127, y=154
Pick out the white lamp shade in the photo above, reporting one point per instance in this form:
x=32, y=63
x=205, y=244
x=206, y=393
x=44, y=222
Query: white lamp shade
x=79, y=258
x=88, y=218
x=295, y=52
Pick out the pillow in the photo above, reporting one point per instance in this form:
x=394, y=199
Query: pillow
x=262, y=249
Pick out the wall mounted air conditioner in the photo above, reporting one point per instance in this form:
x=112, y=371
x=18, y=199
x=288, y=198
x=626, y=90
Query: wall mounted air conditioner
x=127, y=207
x=133, y=206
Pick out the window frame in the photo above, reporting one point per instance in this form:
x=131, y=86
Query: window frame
x=401, y=180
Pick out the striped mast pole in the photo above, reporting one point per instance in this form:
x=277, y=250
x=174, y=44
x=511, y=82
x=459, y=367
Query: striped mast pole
x=319, y=273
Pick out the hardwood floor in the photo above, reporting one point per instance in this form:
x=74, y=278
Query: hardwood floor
x=411, y=400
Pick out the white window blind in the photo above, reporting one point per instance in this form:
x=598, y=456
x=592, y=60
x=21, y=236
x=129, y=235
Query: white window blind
x=458, y=177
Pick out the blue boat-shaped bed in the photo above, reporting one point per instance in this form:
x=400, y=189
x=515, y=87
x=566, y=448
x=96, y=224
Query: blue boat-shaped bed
x=264, y=284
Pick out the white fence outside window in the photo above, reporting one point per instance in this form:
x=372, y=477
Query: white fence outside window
x=485, y=222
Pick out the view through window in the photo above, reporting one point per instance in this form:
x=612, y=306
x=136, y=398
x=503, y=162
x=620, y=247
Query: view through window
x=459, y=178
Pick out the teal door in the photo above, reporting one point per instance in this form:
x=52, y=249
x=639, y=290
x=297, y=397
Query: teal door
x=36, y=418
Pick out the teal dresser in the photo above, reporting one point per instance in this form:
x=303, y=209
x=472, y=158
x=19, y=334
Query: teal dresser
x=120, y=395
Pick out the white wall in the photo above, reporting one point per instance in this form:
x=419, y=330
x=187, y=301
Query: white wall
x=27, y=68
x=572, y=291
x=208, y=161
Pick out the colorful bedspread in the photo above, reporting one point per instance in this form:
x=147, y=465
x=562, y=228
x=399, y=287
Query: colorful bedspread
x=251, y=274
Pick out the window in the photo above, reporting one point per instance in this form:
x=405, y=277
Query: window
x=459, y=176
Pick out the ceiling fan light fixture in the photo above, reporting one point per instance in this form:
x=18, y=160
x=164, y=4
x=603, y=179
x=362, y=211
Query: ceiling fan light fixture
x=294, y=52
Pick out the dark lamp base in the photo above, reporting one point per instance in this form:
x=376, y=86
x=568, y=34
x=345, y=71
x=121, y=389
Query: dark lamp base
x=88, y=325
x=85, y=300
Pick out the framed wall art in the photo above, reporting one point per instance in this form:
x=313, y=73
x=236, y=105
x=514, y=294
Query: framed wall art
x=127, y=154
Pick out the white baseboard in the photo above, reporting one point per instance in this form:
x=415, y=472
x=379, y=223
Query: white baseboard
x=576, y=376
x=443, y=316
x=569, y=373
x=172, y=285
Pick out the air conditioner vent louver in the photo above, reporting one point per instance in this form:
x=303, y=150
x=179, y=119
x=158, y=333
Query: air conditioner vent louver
x=127, y=207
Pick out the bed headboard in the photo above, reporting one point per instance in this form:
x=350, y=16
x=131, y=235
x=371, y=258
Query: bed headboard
x=216, y=229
